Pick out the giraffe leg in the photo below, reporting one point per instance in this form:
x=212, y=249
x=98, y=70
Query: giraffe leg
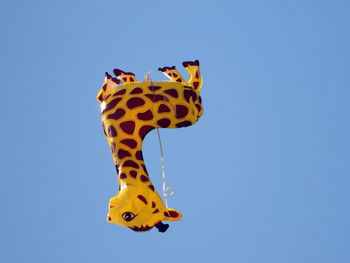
x=192, y=68
x=108, y=84
x=125, y=77
x=172, y=74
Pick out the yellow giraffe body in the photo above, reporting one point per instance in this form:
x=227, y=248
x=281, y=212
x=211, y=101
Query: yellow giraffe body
x=129, y=112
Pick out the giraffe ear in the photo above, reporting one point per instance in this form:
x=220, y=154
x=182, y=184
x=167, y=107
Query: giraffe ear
x=172, y=215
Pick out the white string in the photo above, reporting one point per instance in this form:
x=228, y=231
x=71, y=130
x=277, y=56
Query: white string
x=167, y=190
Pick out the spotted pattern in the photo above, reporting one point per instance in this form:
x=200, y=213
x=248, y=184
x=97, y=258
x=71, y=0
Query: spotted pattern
x=144, y=130
x=128, y=127
x=136, y=91
x=144, y=178
x=181, y=111
x=112, y=132
x=131, y=143
x=142, y=198
x=154, y=88
x=183, y=124
x=172, y=92
x=111, y=104
x=139, y=156
x=120, y=92
x=117, y=114
x=135, y=102
x=128, y=116
x=156, y=97
x=122, y=154
x=145, y=116
x=130, y=163
x=163, y=108
x=164, y=123
x=133, y=174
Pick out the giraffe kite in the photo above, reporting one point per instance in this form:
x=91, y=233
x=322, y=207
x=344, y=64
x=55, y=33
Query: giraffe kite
x=129, y=112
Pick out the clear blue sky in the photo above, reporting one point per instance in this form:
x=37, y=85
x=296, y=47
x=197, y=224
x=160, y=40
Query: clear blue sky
x=263, y=177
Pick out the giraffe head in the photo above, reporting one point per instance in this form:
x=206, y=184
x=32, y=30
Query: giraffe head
x=140, y=210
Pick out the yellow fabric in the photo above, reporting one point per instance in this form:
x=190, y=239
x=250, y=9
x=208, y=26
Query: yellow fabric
x=129, y=111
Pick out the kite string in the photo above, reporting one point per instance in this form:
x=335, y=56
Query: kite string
x=167, y=190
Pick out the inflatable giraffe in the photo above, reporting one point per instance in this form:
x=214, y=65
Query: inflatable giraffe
x=129, y=112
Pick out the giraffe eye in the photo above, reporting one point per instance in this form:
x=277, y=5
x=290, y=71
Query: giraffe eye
x=128, y=216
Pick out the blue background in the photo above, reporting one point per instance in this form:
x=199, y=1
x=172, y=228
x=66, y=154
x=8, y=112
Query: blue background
x=262, y=177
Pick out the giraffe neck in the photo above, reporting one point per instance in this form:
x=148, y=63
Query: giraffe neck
x=131, y=171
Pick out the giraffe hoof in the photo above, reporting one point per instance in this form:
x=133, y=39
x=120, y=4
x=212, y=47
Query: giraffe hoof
x=162, y=227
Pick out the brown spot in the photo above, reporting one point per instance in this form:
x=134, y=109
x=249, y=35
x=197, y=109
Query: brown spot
x=164, y=122
x=117, y=114
x=188, y=93
x=198, y=107
x=183, y=124
x=171, y=213
x=109, y=218
x=163, y=108
x=200, y=99
x=117, y=168
x=156, y=97
x=154, y=88
x=135, y=102
x=129, y=142
x=136, y=91
x=181, y=111
x=122, y=176
x=155, y=211
x=133, y=174
x=139, y=156
x=145, y=116
x=112, y=132
x=111, y=206
x=144, y=178
x=112, y=104
x=197, y=75
x=151, y=187
x=104, y=87
x=120, y=92
x=179, y=80
x=172, y=92
x=195, y=84
x=130, y=163
x=142, y=198
x=128, y=127
x=122, y=154
x=100, y=98
x=124, y=79
x=175, y=75
x=153, y=204
x=144, y=130
x=107, y=96
x=132, y=79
